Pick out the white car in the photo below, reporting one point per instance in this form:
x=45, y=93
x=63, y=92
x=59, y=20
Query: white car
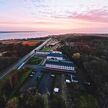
x=52, y=75
x=31, y=75
x=68, y=81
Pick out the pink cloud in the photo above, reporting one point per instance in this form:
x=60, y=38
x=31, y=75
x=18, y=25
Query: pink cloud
x=92, y=16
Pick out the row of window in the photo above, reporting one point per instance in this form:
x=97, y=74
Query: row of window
x=56, y=58
x=60, y=67
x=42, y=52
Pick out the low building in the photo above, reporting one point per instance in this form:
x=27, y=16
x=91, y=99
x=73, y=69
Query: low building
x=58, y=52
x=55, y=56
x=56, y=90
x=42, y=52
x=60, y=65
x=53, y=43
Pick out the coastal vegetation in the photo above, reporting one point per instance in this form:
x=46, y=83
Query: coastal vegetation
x=12, y=50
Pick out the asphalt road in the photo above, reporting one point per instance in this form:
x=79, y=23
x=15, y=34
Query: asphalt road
x=22, y=61
x=46, y=83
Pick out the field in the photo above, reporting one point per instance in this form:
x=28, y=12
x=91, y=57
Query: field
x=46, y=49
x=13, y=50
x=23, y=42
x=35, y=60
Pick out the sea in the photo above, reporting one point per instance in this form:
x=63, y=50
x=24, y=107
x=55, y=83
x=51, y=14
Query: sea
x=22, y=35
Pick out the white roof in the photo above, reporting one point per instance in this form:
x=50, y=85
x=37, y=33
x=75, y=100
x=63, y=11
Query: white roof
x=57, y=52
x=56, y=89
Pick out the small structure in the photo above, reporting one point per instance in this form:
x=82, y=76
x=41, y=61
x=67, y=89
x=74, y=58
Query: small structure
x=56, y=90
x=53, y=43
x=58, y=52
x=42, y=52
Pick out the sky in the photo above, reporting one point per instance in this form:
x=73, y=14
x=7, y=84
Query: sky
x=57, y=16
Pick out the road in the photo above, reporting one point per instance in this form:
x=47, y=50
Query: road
x=46, y=83
x=22, y=61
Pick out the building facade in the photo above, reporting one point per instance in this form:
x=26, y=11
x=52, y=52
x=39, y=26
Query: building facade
x=55, y=56
x=60, y=65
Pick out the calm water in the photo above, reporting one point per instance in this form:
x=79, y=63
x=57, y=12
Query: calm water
x=23, y=35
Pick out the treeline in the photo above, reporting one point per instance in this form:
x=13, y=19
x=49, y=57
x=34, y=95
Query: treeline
x=32, y=99
x=93, y=63
x=12, y=97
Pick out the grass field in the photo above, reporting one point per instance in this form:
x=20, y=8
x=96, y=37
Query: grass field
x=46, y=49
x=35, y=60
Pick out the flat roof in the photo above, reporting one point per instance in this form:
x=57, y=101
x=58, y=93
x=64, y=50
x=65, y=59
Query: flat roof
x=58, y=71
x=56, y=55
x=60, y=62
x=56, y=89
x=44, y=51
x=57, y=52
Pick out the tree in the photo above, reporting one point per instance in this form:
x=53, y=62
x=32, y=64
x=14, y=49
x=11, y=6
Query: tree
x=12, y=103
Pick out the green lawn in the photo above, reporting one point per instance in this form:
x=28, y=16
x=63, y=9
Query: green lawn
x=35, y=60
x=46, y=49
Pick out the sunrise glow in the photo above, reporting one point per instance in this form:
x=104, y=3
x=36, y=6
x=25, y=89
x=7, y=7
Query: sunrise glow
x=59, y=16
